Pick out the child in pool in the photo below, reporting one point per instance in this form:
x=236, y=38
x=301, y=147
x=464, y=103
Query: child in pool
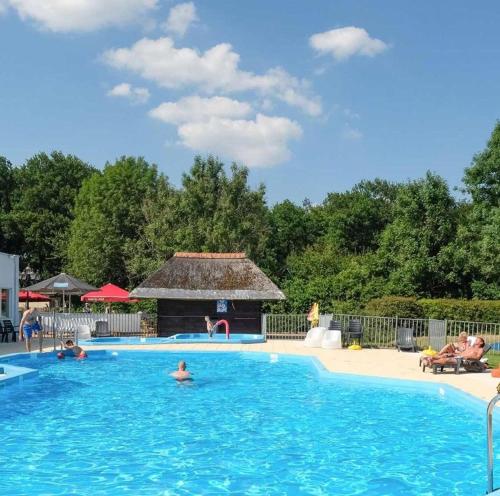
x=71, y=349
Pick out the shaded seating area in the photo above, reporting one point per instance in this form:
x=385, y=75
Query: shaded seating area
x=405, y=339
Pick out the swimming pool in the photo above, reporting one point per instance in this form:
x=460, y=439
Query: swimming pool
x=250, y=423
x=184, y=338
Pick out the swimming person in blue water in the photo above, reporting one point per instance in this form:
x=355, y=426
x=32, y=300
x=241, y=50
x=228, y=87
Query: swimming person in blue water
x=182, y=374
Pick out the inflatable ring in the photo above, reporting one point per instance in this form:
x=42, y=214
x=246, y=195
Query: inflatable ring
x=355, y=347
x=495, y=373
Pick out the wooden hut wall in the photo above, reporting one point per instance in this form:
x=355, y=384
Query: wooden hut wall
x=186, y=316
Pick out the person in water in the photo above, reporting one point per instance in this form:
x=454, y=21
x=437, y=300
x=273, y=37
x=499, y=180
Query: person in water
x=29, y=325
x=71, y=349
x=182, y=374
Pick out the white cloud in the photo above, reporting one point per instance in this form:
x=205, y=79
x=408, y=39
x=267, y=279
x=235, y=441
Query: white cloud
x=82, y=15
x=262, y=142
x=196, y=109
x=126, y=90
x=343, y=43
x=180, y=18
x=216, y=69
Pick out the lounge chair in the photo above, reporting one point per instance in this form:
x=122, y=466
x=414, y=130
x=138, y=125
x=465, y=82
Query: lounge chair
x=405, y=339
x=354, y=331
x=83, y=332
x=314, y=337
x=467, y=364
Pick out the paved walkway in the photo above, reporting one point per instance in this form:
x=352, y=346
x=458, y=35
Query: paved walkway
x=381, y=363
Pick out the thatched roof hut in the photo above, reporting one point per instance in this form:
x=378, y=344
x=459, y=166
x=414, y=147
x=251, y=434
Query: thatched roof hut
x=190, y=286
x=208, y=276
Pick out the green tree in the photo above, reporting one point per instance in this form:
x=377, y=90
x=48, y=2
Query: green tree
x=482, y=178
x=9, y=234
x=222, y=213
x=108, y=216
x=353, y=221
x=42, y=207
x=210, y=213
x=156, y=240
x=412, y=246
x=477, y=249
x=291, y=232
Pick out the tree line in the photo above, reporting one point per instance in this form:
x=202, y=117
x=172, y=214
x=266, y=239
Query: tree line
x=379, y=238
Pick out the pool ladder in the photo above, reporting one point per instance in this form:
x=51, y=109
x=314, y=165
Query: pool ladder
x=491, y=407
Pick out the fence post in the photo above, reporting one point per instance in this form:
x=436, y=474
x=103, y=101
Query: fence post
x=446, y=330
x=396, y=332
x=263, y=325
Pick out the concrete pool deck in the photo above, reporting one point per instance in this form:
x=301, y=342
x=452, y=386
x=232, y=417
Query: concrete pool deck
x=387, y=363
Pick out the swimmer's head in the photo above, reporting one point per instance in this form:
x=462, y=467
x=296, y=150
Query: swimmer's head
x=69, y=342
x=207, y=318
x=182, y=365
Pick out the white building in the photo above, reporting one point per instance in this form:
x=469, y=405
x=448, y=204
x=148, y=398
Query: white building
x=9, y=287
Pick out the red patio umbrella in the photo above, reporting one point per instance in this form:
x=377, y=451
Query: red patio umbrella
x=31, y=296
x=108, y=293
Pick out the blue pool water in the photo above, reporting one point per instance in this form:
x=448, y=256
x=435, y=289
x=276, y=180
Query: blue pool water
x=185, y=338
x=248, y=424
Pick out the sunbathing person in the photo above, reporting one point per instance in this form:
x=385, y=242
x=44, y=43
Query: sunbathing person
x=452, y=349
x=474, y=352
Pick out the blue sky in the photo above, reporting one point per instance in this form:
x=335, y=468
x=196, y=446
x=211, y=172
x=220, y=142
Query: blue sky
x=313, y=96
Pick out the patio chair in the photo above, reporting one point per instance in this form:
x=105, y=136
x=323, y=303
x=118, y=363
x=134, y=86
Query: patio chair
x=4, y=335
x=102, y=329
x=405, y=339
x=314, y=337
x=8, y=327
x=354, y=331
x=335, y=325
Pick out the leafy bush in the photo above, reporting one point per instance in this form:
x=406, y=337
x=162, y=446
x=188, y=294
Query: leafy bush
x=391, y=306
x=469, y=310
x=346, y=307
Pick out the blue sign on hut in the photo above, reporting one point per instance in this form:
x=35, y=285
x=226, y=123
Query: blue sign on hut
x=190, y=286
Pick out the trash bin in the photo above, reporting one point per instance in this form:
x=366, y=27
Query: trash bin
x=101, y=329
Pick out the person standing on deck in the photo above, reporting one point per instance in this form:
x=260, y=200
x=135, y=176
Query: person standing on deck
x=28, y=326
x=211, y=327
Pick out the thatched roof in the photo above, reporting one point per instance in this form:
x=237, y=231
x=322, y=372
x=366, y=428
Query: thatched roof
x=208, y=276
